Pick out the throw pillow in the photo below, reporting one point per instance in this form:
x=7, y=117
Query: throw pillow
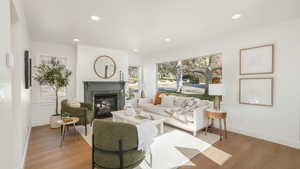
x=73, y=103
x=157, y=99
x=179, y=101
x=167, y=101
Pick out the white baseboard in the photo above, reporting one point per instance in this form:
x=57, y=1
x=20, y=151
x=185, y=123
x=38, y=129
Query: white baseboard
x=25, y=149
x=293, y=144
x=35, y=124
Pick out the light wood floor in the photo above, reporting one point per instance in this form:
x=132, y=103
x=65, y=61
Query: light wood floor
x=44, y=152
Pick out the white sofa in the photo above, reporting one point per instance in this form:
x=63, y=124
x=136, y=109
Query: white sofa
x=182, y=115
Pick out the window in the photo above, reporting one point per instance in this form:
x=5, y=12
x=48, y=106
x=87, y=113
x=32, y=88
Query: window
x=189, y=77
x=133, y=81
x=166, y=75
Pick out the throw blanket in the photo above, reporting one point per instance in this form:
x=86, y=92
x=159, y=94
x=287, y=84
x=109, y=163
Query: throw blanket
x=146, y=133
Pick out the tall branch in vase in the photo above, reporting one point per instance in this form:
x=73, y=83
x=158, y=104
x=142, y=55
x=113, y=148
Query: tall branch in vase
x=53, y=74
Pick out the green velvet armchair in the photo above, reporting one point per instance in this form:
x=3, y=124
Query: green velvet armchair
x=84, y=112
x=114, y=145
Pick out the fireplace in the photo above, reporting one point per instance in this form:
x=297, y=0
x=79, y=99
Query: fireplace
x=105, y=97
x=104, y=104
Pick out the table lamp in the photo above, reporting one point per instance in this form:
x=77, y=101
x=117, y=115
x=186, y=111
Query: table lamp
x=218, y=91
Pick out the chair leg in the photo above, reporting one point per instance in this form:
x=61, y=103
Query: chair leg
x=207, y=127
x=121, y=154
x=61, y=130
x=93, y=164
x=220, y=129
x=85, y=130
x=85, y=123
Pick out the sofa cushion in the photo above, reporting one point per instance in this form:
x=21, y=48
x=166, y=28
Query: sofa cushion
x=179, y=101
x=157, y=109
x=167, y=101
x=185, y=117
x=73, y=103
x=181, y=114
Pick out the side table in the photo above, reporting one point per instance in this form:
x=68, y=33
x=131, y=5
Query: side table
x=73, y=121
x=220, y=115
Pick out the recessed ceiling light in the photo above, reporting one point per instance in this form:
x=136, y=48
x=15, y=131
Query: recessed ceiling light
x=95, y=18
x=168, y=40
x=136, y=50
x=76, y=40
x=236, y=16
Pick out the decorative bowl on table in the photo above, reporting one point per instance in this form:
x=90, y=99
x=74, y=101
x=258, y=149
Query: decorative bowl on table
x=67, y=119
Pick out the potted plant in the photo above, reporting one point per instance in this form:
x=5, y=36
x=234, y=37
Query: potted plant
x=66, y=117
x=55, y=75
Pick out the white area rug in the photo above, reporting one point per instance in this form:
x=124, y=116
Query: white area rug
x=176, y=147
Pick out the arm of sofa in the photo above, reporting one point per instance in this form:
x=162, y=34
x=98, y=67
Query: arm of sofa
x=200, y=118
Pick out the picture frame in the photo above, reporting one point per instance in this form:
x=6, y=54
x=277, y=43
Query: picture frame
x=257, y=60
x=30, y=72
x=256, y=91
x=27, y=70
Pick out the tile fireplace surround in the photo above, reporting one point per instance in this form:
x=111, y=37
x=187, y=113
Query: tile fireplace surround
x=92, y=88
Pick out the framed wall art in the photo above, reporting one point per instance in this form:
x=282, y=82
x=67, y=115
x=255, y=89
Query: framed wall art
x=256, y=91
x=27, y=71
x=257, y=60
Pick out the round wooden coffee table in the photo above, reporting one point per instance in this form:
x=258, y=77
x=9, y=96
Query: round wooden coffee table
x=71, y=122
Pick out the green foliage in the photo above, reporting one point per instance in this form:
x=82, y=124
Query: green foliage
x=54, y=74
x=66, y=114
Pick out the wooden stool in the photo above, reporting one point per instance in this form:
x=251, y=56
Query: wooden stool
x=217, y=115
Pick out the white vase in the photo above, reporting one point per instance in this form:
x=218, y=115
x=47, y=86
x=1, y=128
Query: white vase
x=53, y=121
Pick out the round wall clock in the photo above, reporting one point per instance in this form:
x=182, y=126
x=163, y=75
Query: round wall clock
x=105, y=67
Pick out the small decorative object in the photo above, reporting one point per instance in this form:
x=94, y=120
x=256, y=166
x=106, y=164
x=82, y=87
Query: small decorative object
x=55, y=75
x=142, y=93
x=105, y=67
x=121, y=76
x=257, y=60
x=140, y=117
x=216, y=90
x=256, y=91
x=66, y=117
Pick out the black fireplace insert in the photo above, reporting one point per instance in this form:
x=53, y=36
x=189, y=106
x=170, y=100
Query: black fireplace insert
x=104, y=104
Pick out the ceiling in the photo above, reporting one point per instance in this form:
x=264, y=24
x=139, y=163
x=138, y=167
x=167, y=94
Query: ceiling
x=144, y=24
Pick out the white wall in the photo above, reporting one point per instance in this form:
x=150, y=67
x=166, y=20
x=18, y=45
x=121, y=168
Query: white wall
x=6, y=144
x=42, y=109
x=279, y=123
x=15, y=101
x=135, y=59
x=86, y=55
x=20, y=42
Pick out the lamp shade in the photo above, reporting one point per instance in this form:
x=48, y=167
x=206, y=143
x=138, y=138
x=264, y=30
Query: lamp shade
x=216, y=90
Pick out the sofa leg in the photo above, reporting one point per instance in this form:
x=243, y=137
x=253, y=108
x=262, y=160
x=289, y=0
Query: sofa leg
x=195, y=133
